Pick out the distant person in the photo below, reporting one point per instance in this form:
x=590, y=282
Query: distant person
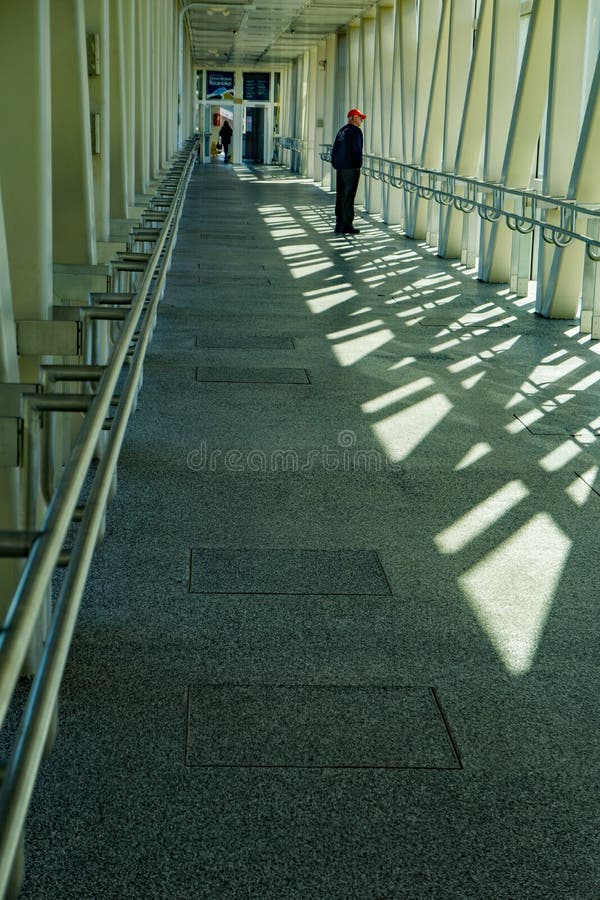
x=225, y=135
x=346, y=159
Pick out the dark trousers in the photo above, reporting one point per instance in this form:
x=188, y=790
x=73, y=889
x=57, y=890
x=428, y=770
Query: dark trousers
x=346, y=184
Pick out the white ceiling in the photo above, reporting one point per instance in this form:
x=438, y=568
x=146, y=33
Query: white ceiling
x=265, y=32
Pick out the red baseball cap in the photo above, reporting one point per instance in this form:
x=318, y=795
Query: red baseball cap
x=356, y=112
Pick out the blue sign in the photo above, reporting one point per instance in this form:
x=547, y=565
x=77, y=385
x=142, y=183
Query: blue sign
x=257, y=86
x=219, y=85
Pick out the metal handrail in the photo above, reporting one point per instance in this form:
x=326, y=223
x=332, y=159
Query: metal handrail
x=523, y=210
x=287, y=143
x=22, y=615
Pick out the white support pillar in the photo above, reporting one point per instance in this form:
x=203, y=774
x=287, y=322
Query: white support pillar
x=402, y=111
x=494, y=240
x=460, y=231
x=119, y=173
x=26, y=159
x=10, y=519
x=352, y=72
x=460, y=52
x=319, y=114
x=142, y=155
x=329, y=105
x=173, y=78
x=96, y=24
x=74, y=226
x=560, y=270
x=371, y=194
x=129, y=78
x=311, y=164
x=590, y=295
x=153, y=110
x=381, y=132
x=431, y=153
x=25, y=215
x=585, y=184
x=525, y=128
x=428, y=34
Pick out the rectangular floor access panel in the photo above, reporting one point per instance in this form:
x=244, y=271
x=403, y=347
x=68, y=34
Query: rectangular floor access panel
x=317, y=726
x=275, y=571
x=251, y=375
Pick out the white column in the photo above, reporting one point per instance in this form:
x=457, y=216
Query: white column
x=26, y=153
x=369, y=191
x=74, y=226
x=384, y=70
x=10, y=569
x=494, y=243
x=310, y=110
x=129, y=78
x=525, y=128
x=119, y=174
x=460, y=231
x=560, y=270
x=25, y=213
x=402, y=113
x=330, y=124
x=428, y=33
x=460, y=53
x=319, y=129
x=96, y=23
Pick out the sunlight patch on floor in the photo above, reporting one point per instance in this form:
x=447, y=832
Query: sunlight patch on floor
x=511, y=589
x=481, y=517
x=403, y=431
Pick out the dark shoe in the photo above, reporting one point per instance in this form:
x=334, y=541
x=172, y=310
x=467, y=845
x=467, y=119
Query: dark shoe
x=351, y=230
x=339, y=229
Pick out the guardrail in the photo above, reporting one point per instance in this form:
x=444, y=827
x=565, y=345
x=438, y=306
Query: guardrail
x=522, y=210
x=105, y=413
x=295, y=146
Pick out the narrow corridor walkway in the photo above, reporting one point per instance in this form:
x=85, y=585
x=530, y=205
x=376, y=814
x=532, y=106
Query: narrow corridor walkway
x=339, y=639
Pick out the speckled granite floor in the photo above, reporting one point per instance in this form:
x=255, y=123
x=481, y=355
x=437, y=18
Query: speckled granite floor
x=340, y=640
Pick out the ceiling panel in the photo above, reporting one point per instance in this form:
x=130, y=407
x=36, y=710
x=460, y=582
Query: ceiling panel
x=251, y=32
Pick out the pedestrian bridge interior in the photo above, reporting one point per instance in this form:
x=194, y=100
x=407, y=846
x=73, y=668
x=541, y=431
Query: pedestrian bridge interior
x=299, y=528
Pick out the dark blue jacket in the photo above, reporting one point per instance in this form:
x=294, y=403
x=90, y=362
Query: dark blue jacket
x=346, y=152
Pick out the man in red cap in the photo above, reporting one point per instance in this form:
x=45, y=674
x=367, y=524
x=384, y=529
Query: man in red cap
x=346, y=159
